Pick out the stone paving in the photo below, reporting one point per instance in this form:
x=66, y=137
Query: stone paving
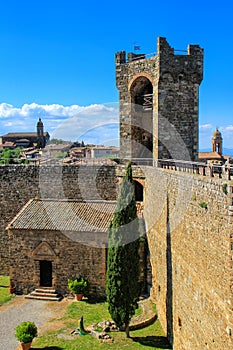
x=16, y=311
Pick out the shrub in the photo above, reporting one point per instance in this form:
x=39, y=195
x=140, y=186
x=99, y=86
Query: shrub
x=78, y=286
x=26, y=331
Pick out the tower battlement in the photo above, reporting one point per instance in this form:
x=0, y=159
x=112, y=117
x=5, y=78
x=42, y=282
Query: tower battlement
x=159, y=102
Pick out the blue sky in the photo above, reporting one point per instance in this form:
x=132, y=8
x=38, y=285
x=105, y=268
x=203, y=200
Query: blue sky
x=57, y=59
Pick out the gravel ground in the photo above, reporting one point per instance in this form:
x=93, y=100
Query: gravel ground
x=16, y=311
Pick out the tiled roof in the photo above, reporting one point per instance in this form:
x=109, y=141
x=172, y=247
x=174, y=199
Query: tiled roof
x=22, y=134
x=8, y=144
x=209, y=155
x=64, y=215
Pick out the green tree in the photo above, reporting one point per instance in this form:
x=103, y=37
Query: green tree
x=61, y=155
x=14, y=156
x=57, y=141
x=122, y=287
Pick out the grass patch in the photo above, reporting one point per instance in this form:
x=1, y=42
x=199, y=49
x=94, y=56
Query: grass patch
x=138, y=311
x=225, y=189
x=203, y=205
x=59, y=337
x=4, y=289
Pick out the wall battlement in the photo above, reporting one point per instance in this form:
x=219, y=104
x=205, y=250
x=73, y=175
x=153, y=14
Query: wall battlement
x=193, y=56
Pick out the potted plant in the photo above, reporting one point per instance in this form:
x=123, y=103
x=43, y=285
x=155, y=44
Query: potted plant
x=25, y=333
x=78, y=286
x=11, y=288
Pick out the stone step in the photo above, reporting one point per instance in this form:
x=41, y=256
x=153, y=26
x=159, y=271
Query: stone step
x=45, y=290
x=43, y=294
x=46, y=293
x=41, y=297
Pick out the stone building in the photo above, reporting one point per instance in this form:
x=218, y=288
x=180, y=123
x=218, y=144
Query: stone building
x=53, y=240
x=26, y=139
x=216, y=155
x=159, y=102
x=217, y=142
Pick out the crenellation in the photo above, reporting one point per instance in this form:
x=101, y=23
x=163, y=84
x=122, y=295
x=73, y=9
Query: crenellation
x=120, y=57
x=167, y=127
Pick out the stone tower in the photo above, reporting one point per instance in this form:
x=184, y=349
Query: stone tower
x=217, y=142
x=40, y=134
x=159, y=102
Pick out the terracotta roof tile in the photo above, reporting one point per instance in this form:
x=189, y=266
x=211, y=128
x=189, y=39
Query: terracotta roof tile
x=65, y=215
x=209, y=155
x=23, y=134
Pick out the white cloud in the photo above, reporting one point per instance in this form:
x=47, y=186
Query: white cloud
x=97, y=123
x=94, y=124
x=35, y=110
x=205, y=126
x=226, y=128
x=8, y=124
x=67, y=122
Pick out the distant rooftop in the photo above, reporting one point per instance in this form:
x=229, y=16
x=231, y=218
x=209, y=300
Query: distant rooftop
x=209, y=155
x=22, y=134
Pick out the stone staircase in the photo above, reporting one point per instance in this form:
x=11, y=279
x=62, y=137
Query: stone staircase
x=44, y=293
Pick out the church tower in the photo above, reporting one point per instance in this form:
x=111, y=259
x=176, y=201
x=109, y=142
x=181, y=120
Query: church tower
x=40, y=134
x=158, y=98
x=217, y=142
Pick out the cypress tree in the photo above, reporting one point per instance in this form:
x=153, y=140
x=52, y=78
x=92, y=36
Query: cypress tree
x=122, y=286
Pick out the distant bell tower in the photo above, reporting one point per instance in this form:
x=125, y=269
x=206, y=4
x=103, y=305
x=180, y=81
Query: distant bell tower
x=217, y=142
x=158, y=98
x=40, y=134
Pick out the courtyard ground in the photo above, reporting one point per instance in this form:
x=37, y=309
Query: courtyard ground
x=56, y=320
x=58, y=333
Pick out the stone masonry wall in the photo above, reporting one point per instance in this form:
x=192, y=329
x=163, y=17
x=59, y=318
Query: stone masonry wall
x=71, y=260
x=190, y=235
x=19, y=183
x=191, y=257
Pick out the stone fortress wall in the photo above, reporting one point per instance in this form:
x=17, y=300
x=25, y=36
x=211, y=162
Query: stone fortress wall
x=191, y=256
x=190, y=246
x=189, y=223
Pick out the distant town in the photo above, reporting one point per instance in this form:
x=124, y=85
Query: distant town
x=37, y=148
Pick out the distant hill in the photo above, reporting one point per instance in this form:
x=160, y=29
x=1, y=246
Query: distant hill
x=226, y=151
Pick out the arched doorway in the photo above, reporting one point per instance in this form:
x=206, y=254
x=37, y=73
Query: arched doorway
x=141, y=92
